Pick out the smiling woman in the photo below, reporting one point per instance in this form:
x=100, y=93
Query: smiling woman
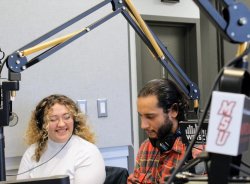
x=61, y=143
x=60, y=123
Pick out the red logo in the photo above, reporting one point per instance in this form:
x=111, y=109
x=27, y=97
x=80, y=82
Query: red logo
x=225, y=111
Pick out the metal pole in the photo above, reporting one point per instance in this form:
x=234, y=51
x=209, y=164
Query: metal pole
x=2, y=156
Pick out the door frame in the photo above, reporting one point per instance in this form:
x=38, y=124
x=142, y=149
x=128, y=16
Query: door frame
x=193, y=48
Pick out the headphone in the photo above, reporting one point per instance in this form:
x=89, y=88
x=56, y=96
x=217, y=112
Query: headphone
x=167, y=142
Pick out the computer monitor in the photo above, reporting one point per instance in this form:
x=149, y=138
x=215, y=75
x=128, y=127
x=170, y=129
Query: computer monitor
x=59, y=179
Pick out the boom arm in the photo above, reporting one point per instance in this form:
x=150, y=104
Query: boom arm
x=233, y=23
x=17, y=61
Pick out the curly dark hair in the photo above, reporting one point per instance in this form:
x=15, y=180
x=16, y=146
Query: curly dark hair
x=168, y=95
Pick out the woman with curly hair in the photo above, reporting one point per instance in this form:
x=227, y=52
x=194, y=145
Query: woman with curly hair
x=61, y=143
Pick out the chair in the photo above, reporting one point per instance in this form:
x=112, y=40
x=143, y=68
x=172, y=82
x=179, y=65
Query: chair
x=116, y=175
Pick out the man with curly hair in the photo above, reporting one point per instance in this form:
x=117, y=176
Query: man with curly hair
x=161, y=105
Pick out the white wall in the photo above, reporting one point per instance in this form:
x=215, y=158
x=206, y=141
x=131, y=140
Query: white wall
x=183, y=9
x=94, y=66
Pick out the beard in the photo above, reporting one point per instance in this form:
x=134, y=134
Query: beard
x=162, y=132
x=165, y=129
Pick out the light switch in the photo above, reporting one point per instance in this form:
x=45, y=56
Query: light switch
x=82, y=104
x=102, y=108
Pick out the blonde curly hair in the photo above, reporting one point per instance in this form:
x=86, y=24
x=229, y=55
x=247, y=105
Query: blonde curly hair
x=37, y=129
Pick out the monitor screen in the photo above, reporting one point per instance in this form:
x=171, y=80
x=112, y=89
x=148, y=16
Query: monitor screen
x=60, y=179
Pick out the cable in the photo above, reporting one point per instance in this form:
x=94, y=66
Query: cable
x=3, y=54
x=231, y=63
x=43, y=162
x=2, y=64
x=246, y=165
x=240, y=169
x=200, y=149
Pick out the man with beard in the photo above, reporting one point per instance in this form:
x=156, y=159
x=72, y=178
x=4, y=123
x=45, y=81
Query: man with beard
x=161, y=105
